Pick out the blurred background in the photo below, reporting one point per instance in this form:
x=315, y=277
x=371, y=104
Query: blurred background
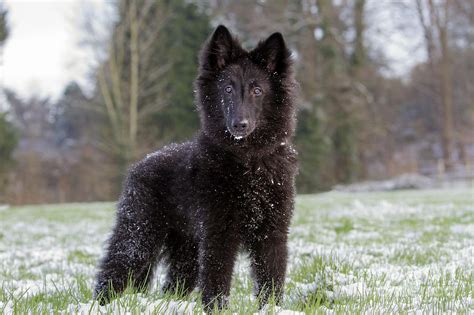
x=89, y=87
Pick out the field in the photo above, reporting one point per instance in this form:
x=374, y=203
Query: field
x=396, y=252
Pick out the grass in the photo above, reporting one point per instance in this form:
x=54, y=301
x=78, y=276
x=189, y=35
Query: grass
x=398, y=252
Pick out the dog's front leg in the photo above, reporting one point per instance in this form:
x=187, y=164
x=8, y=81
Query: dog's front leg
x=217, y=255
x=268, y=262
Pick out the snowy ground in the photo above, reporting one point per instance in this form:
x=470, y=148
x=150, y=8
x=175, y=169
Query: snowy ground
x=391, y=252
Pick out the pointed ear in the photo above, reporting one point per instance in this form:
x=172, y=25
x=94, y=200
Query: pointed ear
x=219, y=50
x=272, y=54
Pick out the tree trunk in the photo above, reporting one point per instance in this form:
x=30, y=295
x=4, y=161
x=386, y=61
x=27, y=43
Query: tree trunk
x=446, y=88
x=358, y=59
x=134, y=64
x=434, y=18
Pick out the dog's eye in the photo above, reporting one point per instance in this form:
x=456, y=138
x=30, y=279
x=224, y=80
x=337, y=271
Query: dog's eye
x=228, y=89
x=257, y=91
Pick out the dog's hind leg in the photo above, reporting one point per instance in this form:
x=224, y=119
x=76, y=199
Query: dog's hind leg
x=182, y=256
x=135, y=243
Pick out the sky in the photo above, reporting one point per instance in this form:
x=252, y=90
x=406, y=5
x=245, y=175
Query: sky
x=42, y=53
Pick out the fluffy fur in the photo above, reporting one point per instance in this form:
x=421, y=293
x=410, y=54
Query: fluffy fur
x=196, y=204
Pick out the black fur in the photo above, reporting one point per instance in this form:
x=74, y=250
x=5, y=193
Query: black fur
x=196, y=204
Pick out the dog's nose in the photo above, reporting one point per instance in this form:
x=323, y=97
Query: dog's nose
x=240, y=125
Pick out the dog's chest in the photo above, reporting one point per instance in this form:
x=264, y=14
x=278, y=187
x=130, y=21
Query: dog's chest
x=249, y=194
x=256, y=200
x=259, y=191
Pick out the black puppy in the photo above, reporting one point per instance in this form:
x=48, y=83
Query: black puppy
x=195, y=204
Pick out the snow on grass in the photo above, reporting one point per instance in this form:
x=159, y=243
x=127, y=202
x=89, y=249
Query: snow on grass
x=406, y=251
x=415, y=255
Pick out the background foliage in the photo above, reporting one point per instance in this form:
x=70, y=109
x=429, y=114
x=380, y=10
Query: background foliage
x=357, y=120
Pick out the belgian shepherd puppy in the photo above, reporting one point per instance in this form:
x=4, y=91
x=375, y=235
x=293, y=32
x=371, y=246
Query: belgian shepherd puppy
x=196, y=204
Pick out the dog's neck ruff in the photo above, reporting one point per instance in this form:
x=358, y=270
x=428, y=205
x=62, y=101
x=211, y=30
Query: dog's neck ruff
x=242, y=149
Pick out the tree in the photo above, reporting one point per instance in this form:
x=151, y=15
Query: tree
x=30, y=176
x=327, y=134
x=73, y=121
x=58, y=159
x=183, y=35
x=129, y=87
x=3, y=25
x=8, y=143
x=8, y=134
x=80, y=172
x=144, y=76
x=434, y=19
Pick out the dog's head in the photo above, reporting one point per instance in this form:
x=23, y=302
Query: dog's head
x=244, y=96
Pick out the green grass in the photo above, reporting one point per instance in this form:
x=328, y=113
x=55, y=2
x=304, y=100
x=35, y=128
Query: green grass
x=398, y=252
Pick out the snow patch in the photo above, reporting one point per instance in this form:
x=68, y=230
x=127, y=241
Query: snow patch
x=467, y=229
x=406, y=181
x=267, y=309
